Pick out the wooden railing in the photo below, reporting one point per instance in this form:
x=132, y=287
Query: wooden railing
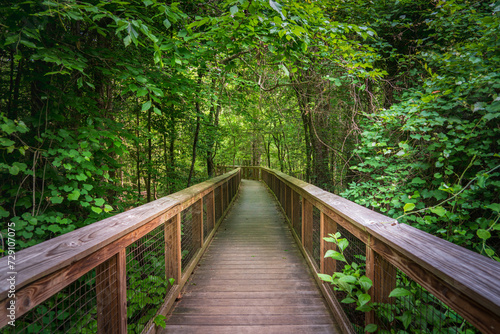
x=135, y=262
x=247, y=172
x=442, y=279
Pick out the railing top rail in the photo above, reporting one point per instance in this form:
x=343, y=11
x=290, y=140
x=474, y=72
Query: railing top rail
x=49, y=256
x=474, y=275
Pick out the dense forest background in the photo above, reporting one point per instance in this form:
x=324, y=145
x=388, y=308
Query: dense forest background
x=395, y=105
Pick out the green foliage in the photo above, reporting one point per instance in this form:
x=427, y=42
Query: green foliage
x=351, y=280
x=411, y=304
x=433, y=156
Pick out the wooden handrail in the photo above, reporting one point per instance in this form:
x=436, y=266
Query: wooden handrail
x=467, y=282
x=44, y=269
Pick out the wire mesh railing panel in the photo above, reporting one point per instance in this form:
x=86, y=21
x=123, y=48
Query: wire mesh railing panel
x=206, y=223
x=147, y=285
x=414, y=310
x=72, y=310
x=188, y=245
x=316, y=246
x=354, y=253
x=288, y=205
x=218, y=206
x=298, y=218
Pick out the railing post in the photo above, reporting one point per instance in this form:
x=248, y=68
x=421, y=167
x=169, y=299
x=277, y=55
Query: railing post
x=328, y=226
x=173, y=259
x=197, y=211
x=383, y=276
x=288, y=205
x=307, y=225
x=111, y=294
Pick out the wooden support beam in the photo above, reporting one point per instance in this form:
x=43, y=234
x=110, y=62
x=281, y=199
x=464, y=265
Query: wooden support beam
x=111, y=295
x=328, y=226
x=383, y=276
x=173, y=259
x=296, y=215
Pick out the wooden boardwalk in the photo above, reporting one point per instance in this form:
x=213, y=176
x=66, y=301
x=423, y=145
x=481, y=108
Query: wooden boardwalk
x=253, y=278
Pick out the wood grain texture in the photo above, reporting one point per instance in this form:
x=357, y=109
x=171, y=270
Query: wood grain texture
x=252, y=276
x=329, y=227
x=383, y=275
x=307, y=225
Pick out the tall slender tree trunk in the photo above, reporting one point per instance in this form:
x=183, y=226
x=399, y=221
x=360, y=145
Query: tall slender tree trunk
x=196, y=133
x=148, y=179
x=138, y=161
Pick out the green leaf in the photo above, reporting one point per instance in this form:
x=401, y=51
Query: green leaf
x=439, y=210
x=335, y=255
x=417, y=180
x=167, y=23
x=494, y=206
x=157, y=111
x=159, y=320
x=56, y=200
x=74, y=195
x=96, y=209
x=364, y=298
x=277, y=7
x=99, y=201
x=365, y=283
x=371, y=328
x=14, y=170
x=326, y=278
x=233, y=10
x=347, y=300
x=54, y=228
x=348, y=279
x=408, y=207
x=146, y=106
x=343, y=243
x=141, y=92
x=127, y=40
x=399, y=292
x=3, y=213
x=405, y=319
x=6, y=142
x=171, y=281
x=483, y=234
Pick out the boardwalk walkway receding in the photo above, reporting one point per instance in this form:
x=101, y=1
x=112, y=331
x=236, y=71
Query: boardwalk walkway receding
x=253, y=278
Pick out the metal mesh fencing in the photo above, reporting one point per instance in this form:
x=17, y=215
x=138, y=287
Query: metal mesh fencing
x=354, y=253
x=218, y=203
x=316, y=234
x=288, y=206
x=206, y=223
x=72, y=310
x=415, y=310
x=188, y=245
x=147, y=285
x=298, y=220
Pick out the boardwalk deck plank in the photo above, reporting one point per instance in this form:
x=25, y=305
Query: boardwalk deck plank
x=253, y=278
